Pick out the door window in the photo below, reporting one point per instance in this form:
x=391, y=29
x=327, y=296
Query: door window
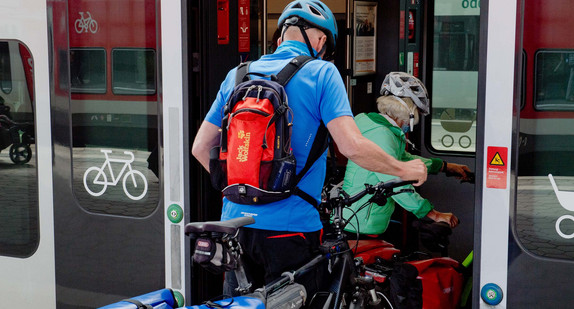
x=455, y=76
x=545, y=198
x=114, y=106
x=18, y=174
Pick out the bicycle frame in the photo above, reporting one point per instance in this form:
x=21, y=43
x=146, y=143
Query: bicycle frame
x=108, y=162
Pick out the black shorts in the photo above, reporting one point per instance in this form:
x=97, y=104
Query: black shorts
x=267, y=254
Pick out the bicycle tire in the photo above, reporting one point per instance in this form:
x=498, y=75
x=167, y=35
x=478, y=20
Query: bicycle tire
x=124, y=181
x=93, y=26
x=104, y=184
x=78, y=26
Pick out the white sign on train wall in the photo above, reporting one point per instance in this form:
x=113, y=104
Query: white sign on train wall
x=457, y=7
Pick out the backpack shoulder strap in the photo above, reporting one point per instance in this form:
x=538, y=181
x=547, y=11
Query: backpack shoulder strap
x=285, y=75
x=241, y=73
x=320, y=144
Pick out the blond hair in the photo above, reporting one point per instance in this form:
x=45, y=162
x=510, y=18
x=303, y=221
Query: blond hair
x=391, y=106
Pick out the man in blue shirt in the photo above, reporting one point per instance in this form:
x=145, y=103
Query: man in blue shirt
x=286, y=233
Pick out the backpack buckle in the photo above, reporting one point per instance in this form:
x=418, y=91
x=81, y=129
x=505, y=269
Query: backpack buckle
x=242, y=189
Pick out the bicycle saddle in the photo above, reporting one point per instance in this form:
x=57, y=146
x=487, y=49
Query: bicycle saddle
x=227, y=227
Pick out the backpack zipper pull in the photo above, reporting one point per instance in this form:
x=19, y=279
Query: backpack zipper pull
x=247, y=92
x=259, y=89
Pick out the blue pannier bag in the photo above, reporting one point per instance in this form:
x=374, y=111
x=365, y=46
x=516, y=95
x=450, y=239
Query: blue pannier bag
x=240, y=302
x=161, y=299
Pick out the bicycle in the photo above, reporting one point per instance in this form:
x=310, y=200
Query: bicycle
x=85, y=24
x=93, y=183
x=218, y=249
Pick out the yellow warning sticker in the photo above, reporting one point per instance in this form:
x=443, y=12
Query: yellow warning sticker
x=496, y=170
x=497, y=160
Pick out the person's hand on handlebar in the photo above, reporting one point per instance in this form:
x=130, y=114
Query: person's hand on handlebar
x=447, y=217
x=414, y=170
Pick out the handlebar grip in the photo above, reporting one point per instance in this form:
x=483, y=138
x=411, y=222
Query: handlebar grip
x=381, y=186
x=394, y=183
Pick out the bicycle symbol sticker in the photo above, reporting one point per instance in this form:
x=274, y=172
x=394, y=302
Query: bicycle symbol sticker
x=86, y=23
x=134, y=182
x=566, y=200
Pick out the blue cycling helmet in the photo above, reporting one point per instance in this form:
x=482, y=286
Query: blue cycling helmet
x=311, y=14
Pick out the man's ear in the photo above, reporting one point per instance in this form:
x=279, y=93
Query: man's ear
x=279, y=41
x=322, y=42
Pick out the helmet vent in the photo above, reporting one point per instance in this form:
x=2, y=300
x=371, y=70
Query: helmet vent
x=297, y=6
x=315, y=11
x=320, y=5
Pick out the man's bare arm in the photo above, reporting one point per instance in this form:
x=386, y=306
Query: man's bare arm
x=369, y=155
x=207, y=137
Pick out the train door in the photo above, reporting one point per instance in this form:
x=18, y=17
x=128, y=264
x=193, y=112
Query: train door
x=119, y=149
x=450, y=36
x=526, y=222
x=26, y=224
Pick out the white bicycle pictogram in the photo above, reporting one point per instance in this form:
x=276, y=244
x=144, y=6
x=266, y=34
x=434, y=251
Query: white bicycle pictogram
x=85, y=24
x=96, y=181
x=566, y=200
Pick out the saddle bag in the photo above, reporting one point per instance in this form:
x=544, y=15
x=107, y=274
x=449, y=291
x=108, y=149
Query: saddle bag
x=213, y=255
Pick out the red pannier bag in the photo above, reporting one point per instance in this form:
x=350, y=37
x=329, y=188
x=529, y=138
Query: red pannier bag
x=442, y=283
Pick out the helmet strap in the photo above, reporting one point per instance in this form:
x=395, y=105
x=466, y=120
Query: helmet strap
x=307, y=41
x=411, y=112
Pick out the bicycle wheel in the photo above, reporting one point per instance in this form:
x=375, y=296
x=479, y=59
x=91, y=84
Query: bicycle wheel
x=96, y=186
x=78, y=25
x=93, y=26
x=138, y=185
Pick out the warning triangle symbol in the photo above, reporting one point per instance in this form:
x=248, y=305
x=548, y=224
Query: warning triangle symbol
x=497, y=160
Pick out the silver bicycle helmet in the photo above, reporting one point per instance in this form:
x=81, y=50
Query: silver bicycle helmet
x=401, y=84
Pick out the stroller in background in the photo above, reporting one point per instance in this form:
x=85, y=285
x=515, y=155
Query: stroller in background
x=16, y=135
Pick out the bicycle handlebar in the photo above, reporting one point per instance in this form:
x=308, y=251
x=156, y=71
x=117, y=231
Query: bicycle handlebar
x=380, y=187
x=383, y=187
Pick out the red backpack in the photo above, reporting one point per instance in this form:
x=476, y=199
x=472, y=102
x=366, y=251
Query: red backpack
x=254, y=163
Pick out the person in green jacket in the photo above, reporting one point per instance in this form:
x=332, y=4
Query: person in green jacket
x=403, y=98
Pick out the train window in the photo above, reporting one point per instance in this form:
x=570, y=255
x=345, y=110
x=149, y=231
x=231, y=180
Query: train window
x=115, y=107
x=19, y=192
x=5, y=69
x=455, y=76
x=133, y=71
x=88, y=70
x=554, y=80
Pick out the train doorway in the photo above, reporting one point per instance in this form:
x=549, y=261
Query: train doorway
x=118, y=199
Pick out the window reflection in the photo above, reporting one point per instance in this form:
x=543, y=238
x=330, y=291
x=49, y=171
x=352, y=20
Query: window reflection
x=5, y=68
x=133, y=71
x=18, y=176
x=544, y=223
x=114, y=107
x=88, y=70
x=554, y=80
